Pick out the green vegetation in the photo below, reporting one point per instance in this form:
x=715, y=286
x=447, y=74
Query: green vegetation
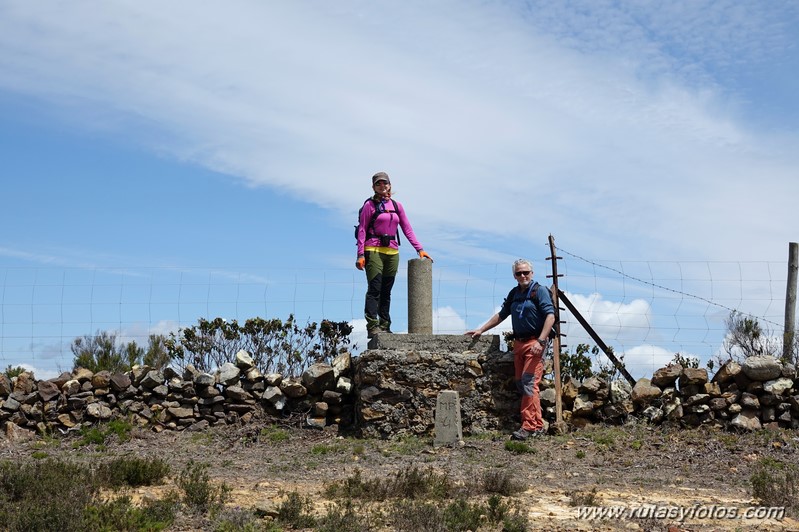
x=414, y=499
x=273, y=434
x=14, y=372
x=776, y=483
x=77, y=506
x=132, y=471
x=276, y=346
x=97, y=435
x=199, y=495
x=102, y=352
x=518, y=447
x=578, y=364
x=583, y=497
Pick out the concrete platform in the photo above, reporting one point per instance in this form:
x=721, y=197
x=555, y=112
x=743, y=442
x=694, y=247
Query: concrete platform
x=452, y=343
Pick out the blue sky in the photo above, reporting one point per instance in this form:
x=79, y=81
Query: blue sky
x=235, y=137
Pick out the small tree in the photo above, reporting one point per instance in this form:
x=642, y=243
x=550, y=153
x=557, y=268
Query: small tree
x=275, y=346
x=99, y=352
x=747, y=338
x=156, y=355
x=12, y=372
x=103, y=352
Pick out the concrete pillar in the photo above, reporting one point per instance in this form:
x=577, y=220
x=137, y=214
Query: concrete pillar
x=420, y=296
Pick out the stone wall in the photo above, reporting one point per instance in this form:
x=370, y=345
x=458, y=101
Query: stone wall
x=391, y=390
x=167, y=400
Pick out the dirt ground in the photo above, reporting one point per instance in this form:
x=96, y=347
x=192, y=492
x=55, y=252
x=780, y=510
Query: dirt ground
x=630, y=467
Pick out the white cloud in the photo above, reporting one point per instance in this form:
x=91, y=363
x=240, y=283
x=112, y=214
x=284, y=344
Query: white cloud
x=610, y=129
x=643, y=360
x=447, y=321
x=612, y=320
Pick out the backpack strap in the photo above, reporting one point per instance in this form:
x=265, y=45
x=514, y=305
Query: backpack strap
x=369, y=233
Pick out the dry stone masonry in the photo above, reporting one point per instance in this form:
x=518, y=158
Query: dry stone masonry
x=392, y=389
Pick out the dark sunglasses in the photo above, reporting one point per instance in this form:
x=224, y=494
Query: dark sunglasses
x=381, y=182
x=519, y=274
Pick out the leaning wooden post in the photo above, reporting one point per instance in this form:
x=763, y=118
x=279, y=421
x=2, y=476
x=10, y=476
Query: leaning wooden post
x=790, y=302
x=556, y=341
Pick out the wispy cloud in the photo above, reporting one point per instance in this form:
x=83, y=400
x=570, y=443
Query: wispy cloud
x=610, y=120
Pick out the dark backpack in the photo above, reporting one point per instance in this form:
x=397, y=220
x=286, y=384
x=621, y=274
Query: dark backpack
x=370, y=225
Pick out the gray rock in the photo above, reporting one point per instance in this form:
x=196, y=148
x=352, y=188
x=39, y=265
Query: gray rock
x=592, y=385
x=244, y=361
x=644, y=392
x=11, y=404
x=749, y=400
x=666, y=377
x=275, y=397
x=98, y=411
x=653, y=414
x=204, y=379
x=152, y=379
x=273, y=379
x=318, y=378
x=237, y=394
x=228, y=374
x=342, y=364
x=48, y=390
x=293, y=389
x=620, y=390
x=583, y=406
x=778, y=386
x=693, y=376
x=727, y=372
x=119, y=382
x=547, y=397
x=746, y=420
x=253, y=375
x=762, y=368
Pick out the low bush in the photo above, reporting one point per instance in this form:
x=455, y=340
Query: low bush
x=198, y=494
x=776, y=483
x=132, y=471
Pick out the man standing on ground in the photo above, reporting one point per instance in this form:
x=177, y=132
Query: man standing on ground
x=532, y=314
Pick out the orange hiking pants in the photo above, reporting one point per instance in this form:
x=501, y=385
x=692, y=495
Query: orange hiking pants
x=529, y=368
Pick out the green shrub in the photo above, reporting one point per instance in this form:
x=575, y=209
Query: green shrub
x=240, y=520
x=347, y=517
x=462, y=515
x=198, y=494
x=583, y=498
x=274, y=434
x=12, y=372
x=295, y=511
x=501, y=481
x=276, y=346
x=416, y=516
x=518, y=447
x=121, y=514
x=406, y=483
x=70, y=489
x=133, y=471
x=775, y=483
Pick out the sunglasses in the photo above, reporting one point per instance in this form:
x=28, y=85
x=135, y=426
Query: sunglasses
x=381, y=182
x=520, y=273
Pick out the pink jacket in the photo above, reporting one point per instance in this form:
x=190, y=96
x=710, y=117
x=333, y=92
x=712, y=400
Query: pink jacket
x=385, y=224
